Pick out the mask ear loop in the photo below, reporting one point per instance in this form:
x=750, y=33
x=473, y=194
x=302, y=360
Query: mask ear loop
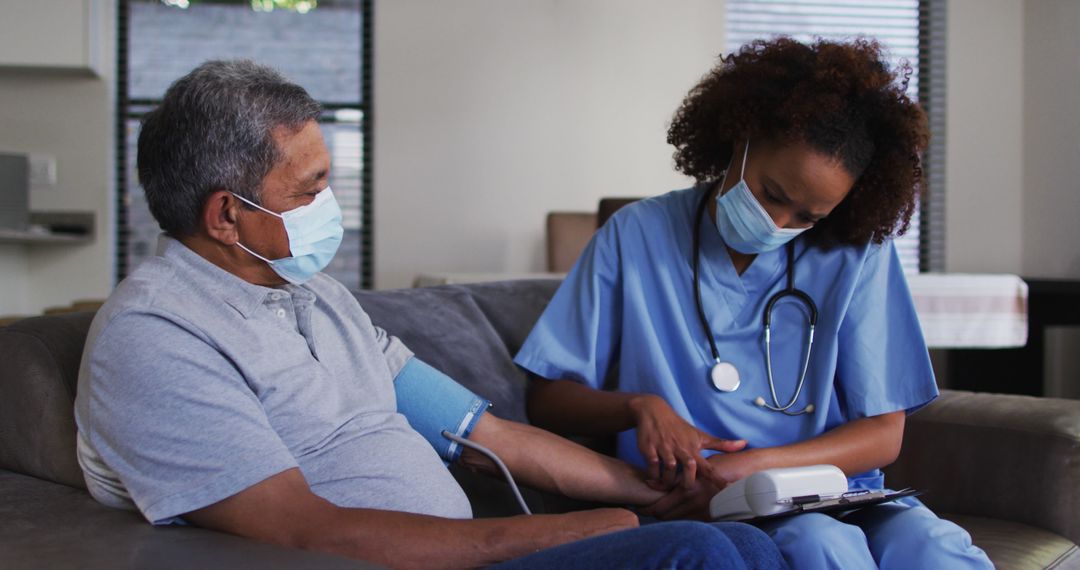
x=268, y=262
x=745, y=152
x=742, y=169
x=253, y=204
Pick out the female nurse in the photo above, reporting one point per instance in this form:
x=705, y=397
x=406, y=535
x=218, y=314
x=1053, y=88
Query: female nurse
x=807, y=162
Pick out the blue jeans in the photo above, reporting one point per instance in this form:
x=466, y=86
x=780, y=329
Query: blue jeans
x=682, y=544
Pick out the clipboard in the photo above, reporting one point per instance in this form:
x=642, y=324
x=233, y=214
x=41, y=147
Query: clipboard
x=847, y=502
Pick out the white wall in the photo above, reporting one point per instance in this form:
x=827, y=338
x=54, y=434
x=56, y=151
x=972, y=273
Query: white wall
x=984, y=193
x=1051, y=139
x=1052, y=167
x=68, y=115
x=489, y=114
x=13, y=272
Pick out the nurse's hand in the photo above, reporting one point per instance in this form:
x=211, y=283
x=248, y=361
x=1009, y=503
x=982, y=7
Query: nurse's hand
x=732, y=467
x=668, y=442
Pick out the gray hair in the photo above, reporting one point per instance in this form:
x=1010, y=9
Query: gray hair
x=214, y=131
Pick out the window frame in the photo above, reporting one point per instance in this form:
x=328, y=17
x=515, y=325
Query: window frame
x=128, y=109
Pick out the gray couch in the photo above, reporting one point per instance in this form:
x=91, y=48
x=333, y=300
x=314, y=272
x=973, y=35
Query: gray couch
x=1005, y=467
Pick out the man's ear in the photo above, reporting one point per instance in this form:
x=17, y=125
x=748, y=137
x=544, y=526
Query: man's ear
x=219, y=217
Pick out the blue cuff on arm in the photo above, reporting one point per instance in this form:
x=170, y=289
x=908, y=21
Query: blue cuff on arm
x=434, y=402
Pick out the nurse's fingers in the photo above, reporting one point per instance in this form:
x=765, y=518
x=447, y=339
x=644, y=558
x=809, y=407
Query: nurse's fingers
x=712, y=474
x=707, y=472
x=725, y=445
x=654, y=464
x=671, y=468
x=689, y=470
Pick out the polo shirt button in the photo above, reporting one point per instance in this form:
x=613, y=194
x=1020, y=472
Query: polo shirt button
x=280, y=313
x=275, y=296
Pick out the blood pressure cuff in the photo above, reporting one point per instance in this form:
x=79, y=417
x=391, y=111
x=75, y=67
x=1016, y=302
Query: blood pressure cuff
x=433, y=402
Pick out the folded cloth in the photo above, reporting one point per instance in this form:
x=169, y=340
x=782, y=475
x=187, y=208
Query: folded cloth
x=971, y=311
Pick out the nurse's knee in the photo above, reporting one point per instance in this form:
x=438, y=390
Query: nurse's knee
x=815, y=540
x=916, y=537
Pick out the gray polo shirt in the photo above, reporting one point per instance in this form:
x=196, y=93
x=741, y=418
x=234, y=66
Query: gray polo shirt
x=196, y=385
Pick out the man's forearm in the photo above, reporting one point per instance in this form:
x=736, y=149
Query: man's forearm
x=403, y=540
x=546, y=461
x=283, y=510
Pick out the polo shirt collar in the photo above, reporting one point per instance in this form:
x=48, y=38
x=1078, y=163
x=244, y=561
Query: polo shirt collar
x=239, y=294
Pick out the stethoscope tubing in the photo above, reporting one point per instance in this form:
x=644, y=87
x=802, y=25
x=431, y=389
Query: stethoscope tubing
x=766, y=318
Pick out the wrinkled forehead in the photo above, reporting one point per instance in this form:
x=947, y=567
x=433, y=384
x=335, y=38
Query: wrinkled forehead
x=303, y=157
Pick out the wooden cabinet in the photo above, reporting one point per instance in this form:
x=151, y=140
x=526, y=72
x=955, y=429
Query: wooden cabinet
x=51, y=34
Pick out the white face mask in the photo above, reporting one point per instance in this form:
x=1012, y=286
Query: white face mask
x=743, y=223
x=314, y=231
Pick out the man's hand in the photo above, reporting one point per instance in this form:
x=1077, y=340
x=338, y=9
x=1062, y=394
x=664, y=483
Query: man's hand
x=668, y=442
x=684, y=503
x=693, y=502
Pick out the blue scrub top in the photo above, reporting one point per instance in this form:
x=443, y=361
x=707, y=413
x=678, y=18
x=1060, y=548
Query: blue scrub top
x=625, y=319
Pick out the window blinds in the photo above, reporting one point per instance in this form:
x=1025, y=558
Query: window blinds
x=910, y=30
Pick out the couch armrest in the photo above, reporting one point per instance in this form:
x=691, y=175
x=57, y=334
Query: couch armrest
x=1008, y=457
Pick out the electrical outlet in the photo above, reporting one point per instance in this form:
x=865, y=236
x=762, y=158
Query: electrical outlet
x=42, y=171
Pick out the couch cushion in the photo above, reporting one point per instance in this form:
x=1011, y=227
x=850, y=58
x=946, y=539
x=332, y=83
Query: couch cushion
x=972, y=452
x=40, y=371
x=1013, y=545
x=46, y=525
x=470, y=332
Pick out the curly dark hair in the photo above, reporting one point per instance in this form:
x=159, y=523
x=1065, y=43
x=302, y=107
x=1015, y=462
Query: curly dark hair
x=840, y=99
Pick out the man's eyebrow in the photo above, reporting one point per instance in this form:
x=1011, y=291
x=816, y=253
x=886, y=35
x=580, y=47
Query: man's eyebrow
x=315, y=177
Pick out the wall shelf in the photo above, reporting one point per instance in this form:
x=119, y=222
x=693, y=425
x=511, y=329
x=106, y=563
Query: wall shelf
x=52, y=35
x=53, y=228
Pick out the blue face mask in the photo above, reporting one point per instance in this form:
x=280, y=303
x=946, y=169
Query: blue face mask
x=314, y=232
x=744, y=224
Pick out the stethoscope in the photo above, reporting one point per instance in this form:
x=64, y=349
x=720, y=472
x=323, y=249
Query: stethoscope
x=724, y=375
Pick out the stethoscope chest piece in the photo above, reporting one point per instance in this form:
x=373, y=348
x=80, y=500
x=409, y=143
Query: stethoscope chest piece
x=725, y=377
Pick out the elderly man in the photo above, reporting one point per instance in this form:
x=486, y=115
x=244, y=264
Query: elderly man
x=230, y=385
